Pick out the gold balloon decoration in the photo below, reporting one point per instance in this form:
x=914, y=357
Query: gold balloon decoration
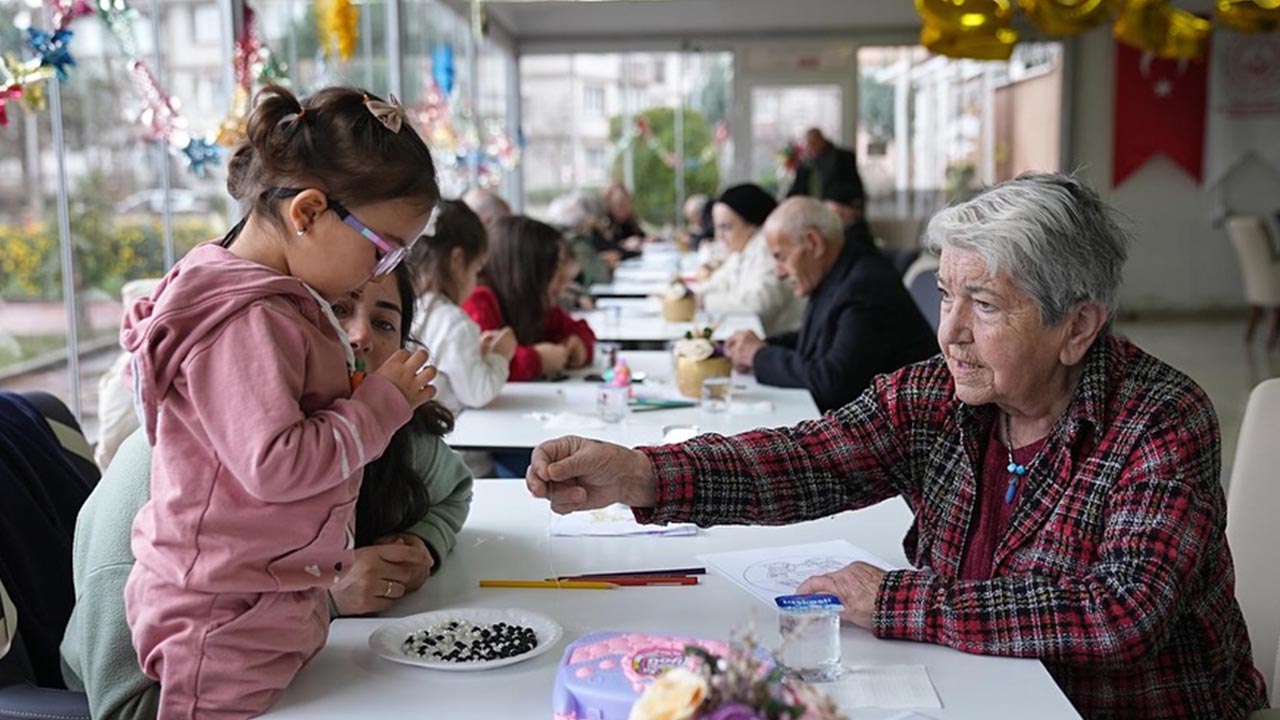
x=974, y=29
x=1249, y=16
x=1067, y=17
x=1153, y=26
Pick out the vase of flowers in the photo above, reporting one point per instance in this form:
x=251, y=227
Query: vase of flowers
x=678, y=302
x=698, y=358
x=740, y=686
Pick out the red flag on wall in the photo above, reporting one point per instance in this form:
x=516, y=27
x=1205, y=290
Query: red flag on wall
x=1159, y=110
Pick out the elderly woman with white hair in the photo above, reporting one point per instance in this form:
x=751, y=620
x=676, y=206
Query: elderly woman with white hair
x=1065, y=484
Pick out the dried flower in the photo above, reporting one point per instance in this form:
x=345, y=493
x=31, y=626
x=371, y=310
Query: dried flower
x=744, y=685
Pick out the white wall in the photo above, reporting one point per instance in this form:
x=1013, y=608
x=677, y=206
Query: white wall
x=1179, y=260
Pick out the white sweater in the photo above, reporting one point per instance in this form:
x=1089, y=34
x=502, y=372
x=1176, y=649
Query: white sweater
x=747, y=282
x=466, y=379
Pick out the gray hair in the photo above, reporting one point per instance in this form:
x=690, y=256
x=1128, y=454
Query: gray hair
x=576, y=212
x=1051, y=233
x=797, y=214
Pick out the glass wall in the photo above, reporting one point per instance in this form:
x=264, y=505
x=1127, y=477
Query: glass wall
x=931, y=129
x=593, y=119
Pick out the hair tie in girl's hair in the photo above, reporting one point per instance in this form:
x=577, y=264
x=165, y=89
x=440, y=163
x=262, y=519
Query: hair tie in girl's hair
x=390, y=114
x=294, y=119
x=430, y=229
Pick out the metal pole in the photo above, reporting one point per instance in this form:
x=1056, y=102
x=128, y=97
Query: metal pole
x=395, y=62
x=628, y=122
x=293, y=47
x=515, y=188
x=232, y=26
x=366, y=42
x=31, y=129
x=679, y=143
x=473, y=92
x=166, y=182
x=70, y=301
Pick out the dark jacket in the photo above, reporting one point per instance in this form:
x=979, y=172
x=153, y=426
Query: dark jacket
x=860, y=322
x=835, y=166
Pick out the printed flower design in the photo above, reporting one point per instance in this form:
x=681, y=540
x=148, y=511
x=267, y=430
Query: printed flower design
x=675, y=695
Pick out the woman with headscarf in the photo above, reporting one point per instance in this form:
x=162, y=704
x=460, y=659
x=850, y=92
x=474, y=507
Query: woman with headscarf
x=746, y=281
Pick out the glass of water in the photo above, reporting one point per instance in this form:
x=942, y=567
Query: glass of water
x=716, y=394
x=611, y=402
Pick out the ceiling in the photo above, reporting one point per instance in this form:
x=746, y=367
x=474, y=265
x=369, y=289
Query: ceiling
x=574, y=22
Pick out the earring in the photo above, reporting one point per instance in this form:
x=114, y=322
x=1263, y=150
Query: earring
x=301, y=231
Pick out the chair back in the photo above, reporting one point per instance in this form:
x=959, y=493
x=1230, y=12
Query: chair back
x=1257, y=258
x=1253, y=525
x=896, y=233
x=924, y=291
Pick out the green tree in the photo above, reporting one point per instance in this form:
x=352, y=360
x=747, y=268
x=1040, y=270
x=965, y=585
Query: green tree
x=875, y=105
x=655, y=190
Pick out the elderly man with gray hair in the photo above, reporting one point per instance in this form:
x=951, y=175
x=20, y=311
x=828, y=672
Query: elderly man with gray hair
x=859, y=321
x=1066, y=485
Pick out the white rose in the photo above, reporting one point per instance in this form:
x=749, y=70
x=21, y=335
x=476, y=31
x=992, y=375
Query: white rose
x=695, y=349
x=675, y=695
x=677, y=291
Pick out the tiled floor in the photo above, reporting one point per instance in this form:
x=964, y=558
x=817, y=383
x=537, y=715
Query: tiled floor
x=1213, y=353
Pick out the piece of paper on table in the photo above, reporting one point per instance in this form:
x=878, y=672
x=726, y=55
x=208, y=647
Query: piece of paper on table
x=750, y=407
x=615, y=519
x=770, y=572
x=566, y=421
x=889, y=687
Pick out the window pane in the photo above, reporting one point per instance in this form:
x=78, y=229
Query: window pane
x=592, y=119
x=780, y=115
x=931, y=128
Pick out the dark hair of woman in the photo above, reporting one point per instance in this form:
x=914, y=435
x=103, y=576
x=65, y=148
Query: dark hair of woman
x=393, y=498
x=329, y=140
x=430, y=259
x=524, y=255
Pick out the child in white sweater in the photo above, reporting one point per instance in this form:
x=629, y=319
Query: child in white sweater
x=445, y=262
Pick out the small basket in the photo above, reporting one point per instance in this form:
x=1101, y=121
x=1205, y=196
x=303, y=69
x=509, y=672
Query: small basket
x=681, y=310
x=691, y=373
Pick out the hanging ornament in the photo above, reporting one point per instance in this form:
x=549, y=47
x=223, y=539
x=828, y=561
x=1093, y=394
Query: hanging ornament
x=52, y=49
x=1188, y=37
x=442, y=68
x=159, y=112
x=231, y=131
x=338, y=22
x=1067, y=17
x=973, y=29
x=8, y=94
x=1249, y=16
x=67, y=11
x=118, y=16
x=1143, y=24
x=22, y=81
x=200, y=153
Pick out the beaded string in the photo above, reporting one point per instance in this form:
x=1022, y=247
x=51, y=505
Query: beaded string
x=1016, y=471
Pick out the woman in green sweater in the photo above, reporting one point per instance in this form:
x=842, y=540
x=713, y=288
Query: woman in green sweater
x=412, y=503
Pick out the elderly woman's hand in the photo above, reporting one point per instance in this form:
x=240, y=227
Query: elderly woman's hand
x=379, y=575
x=579, y=474
x=856, y=584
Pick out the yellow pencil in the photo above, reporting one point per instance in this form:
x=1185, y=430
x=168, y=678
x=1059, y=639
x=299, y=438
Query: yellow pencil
x=554, y=585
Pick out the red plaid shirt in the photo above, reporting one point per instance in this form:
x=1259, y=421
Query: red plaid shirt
x=1114, y=572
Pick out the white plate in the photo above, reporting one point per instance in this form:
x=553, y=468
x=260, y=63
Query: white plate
x=386, y=640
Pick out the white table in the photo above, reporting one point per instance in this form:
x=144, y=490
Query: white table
x=506, y=537
x=632, y=327
x=503, y=423
x=640, y=289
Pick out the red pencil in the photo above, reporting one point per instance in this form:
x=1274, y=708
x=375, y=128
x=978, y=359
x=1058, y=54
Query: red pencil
x=626, y=581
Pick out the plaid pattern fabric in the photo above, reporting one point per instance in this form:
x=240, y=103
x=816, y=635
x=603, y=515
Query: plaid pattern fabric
x=1114, y=572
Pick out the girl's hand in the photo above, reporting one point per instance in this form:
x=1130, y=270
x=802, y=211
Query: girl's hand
x=501, y=342
x=409, y=373
x=554, y=357
x=379, y=575
x=577, y=351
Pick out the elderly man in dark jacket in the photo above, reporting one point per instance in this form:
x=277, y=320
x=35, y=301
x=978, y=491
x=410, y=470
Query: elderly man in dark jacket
x=859, y=321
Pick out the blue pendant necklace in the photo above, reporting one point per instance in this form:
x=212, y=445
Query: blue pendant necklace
x=1016, y=471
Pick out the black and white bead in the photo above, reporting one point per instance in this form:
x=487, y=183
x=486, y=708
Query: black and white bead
x=461, y=641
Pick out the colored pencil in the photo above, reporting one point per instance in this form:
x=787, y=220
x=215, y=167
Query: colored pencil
x=650, y=580
x=551, y=584
x=637, y=573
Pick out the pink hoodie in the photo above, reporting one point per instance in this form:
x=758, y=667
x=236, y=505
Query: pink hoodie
x=259, y=442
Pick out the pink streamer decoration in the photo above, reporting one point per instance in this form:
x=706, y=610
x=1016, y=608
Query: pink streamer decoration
x=160, y=112
x=67, y=11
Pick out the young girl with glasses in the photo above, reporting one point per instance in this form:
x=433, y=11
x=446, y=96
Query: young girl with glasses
x=260, y=418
